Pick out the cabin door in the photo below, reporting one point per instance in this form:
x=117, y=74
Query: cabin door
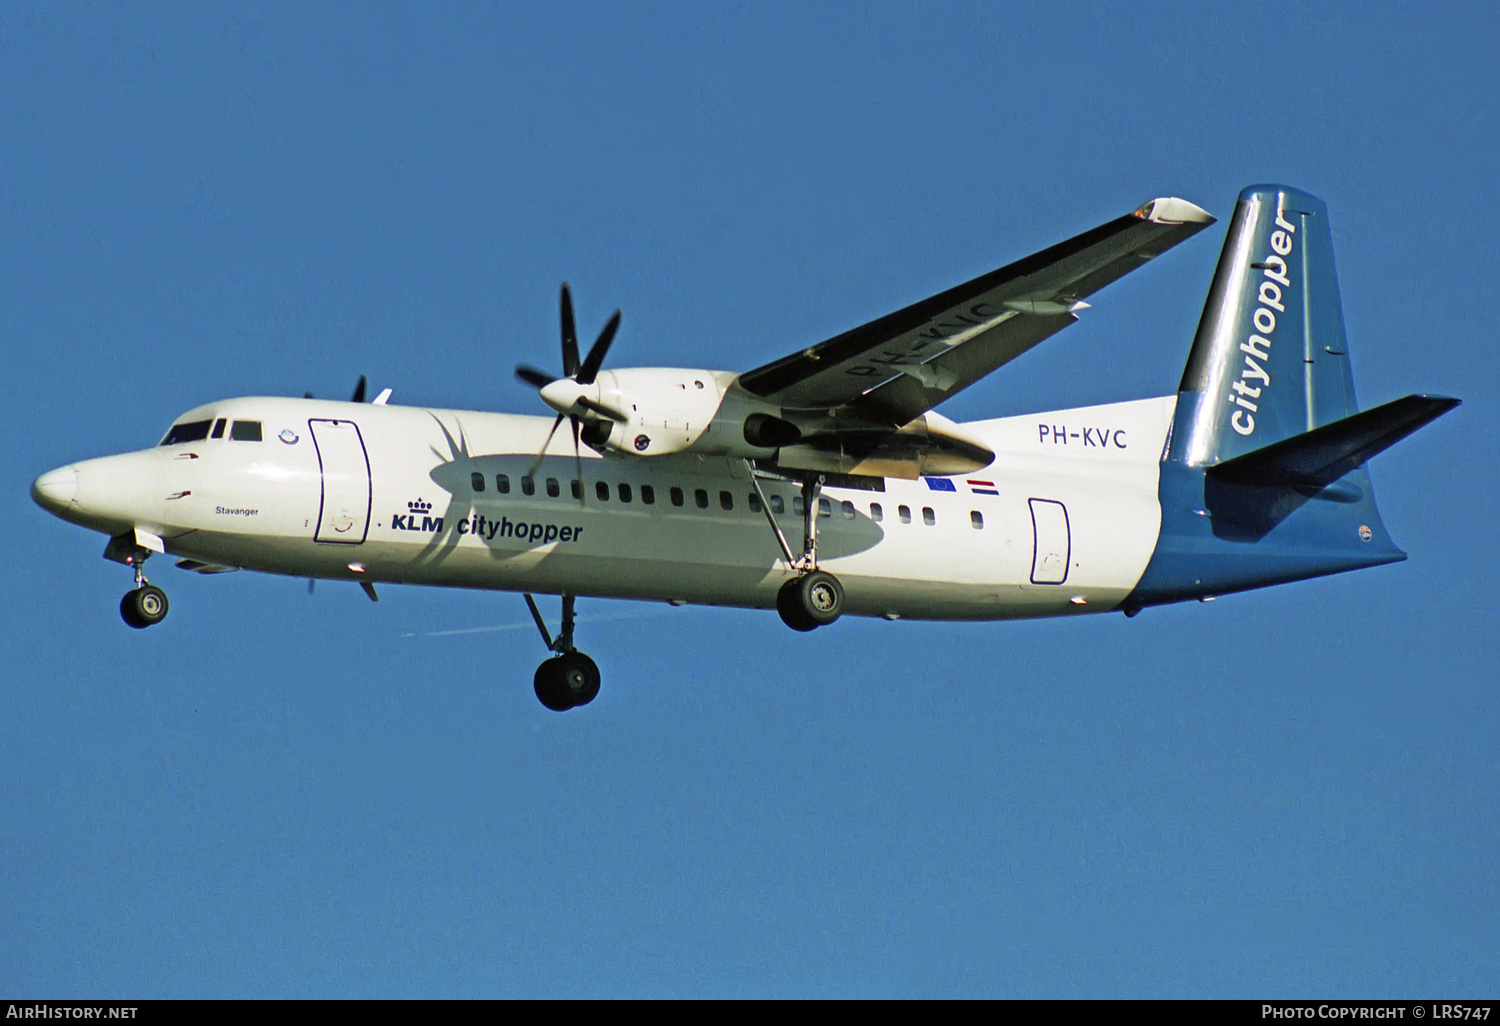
x=344, y=513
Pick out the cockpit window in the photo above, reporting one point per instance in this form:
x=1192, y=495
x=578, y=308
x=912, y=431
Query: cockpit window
x=192, y=431
x=245, y=431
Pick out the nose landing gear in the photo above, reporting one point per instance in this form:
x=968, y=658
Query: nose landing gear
x=569, y=678
x=146, y=604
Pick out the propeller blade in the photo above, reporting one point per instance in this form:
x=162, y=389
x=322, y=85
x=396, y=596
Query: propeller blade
x=359, y=390
x=569, y=335
x=601, y=409
x=591, y=363
x=538, y=461
x=533, y=377
x=577, y=460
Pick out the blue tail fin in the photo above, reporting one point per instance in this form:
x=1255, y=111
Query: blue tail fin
x=1263, y=480
x=1270, y=359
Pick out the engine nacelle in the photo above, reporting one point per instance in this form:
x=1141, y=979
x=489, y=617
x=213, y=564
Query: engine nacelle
x=674, y=410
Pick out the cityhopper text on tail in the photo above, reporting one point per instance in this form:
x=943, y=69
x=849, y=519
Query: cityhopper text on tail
x=823, y=484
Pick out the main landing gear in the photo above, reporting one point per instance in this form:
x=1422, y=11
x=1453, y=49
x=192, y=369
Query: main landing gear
x=810, y=601
x=569, y=678
x=813, y=598
x=146, y=604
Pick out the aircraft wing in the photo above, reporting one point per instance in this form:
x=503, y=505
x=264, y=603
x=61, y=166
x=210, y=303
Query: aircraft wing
x=898, y=367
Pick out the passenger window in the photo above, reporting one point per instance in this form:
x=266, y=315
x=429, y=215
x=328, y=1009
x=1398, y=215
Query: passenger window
x=676, y=496
x=601, y=489
x=777, y=506
x=928, y=516
x=476, y=481
x=648, y=495
x=218, y=431
x=755, y=506
x=848, y=508
x=977, y=519
x=726, y=500
x=528, y=485
x=624, y=492
x=876, y=513
x=700, y=496
x=904, y=512
x=553, y=488
x=825, y=508
x=245, y=431
x=196, y=431
x=577, y=488
x=502, y=484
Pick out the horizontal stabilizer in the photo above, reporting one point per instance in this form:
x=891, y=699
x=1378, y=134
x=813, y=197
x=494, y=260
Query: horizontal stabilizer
x=1321, y=456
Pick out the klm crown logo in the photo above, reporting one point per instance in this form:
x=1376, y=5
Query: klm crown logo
x=416, y=518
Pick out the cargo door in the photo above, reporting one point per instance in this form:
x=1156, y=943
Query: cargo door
x=1054, y=543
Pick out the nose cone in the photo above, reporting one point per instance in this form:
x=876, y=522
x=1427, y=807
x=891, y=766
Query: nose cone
x=113, y=493
x=55, y=490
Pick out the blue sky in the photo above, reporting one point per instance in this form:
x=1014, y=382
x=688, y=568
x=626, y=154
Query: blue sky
x=1292, y=792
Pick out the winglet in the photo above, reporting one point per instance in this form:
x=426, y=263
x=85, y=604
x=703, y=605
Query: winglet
x=1171, y=210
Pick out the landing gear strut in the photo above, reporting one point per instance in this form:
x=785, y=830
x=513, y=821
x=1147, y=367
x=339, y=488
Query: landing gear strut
x=813, y=598
x=146, y=604
x=569, y=678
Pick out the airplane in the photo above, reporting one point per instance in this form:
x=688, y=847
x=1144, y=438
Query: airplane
x=824, y=483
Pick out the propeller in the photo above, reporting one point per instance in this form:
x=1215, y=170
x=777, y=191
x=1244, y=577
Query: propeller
x=568, y=394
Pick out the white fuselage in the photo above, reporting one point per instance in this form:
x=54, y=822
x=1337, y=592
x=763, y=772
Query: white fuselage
x=1064, y=520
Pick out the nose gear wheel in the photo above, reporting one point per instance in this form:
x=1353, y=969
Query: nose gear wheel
x=144, y=606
